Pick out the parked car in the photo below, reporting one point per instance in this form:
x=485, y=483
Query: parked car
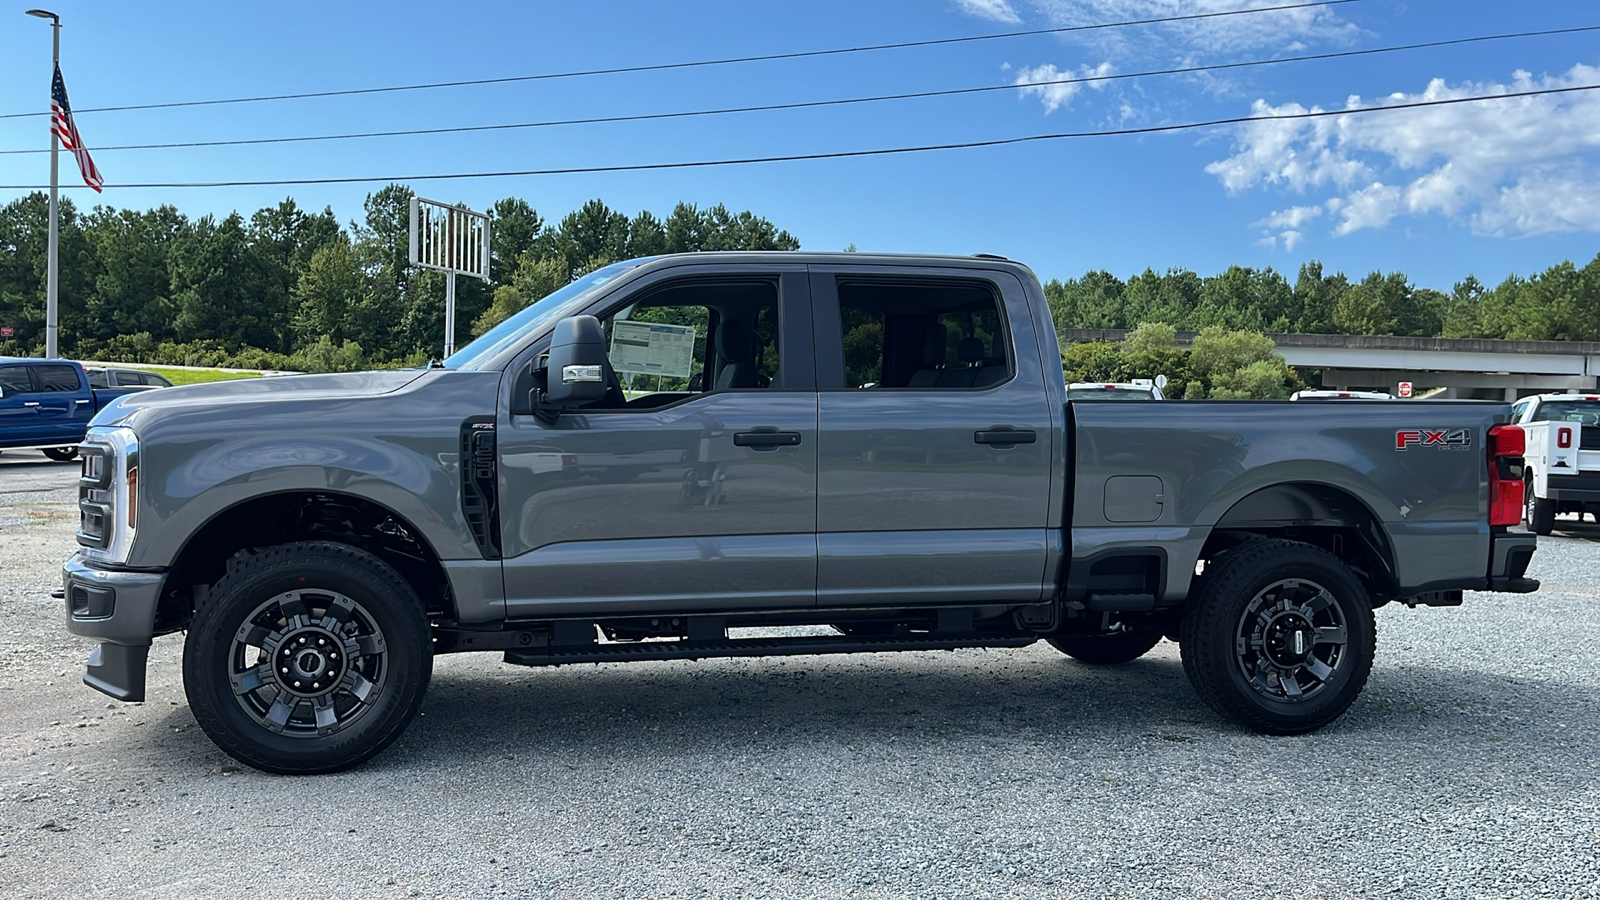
x=103, y=377
x=46, y=404
x=320, y=539
x=1340, y=395
x=1100, y=390
x=1563, y=458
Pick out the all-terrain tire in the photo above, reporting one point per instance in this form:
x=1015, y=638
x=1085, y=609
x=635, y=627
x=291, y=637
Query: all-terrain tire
x=307, y=657
x=1279, y=636
x=1107, y=649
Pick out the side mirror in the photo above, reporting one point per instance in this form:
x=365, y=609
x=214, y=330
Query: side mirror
x=577, y=372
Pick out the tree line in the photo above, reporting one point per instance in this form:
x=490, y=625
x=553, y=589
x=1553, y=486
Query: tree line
x=291, y=288
x=287, y=288
x=1561, y=303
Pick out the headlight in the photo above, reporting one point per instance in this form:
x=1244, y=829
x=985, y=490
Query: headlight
x=108, y=494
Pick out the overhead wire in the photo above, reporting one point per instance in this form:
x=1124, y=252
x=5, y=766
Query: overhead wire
x=851, y=154
x=813, y=104
x=661, y=67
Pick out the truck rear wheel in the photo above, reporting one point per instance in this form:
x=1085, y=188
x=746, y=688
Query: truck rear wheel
x=1279, y=637
x=1107, y=649
x=306, y=658
x=1539, y=515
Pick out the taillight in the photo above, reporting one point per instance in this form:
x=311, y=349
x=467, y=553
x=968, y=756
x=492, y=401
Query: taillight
x=1506, y=445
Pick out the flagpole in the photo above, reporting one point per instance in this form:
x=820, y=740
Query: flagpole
x=52, y=311
x=52, y=276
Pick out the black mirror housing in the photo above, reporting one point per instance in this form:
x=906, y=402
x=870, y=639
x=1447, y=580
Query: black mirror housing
x=578, y=372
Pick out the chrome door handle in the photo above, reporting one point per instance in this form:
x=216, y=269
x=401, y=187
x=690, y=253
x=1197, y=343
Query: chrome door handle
x=30, y=403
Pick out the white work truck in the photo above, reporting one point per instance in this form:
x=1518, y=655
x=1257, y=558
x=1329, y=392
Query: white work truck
x=1562, y=469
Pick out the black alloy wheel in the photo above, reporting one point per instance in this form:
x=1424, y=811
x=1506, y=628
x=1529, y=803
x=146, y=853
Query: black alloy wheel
x=306, y=658
x=61, y=454
x=1279, y=636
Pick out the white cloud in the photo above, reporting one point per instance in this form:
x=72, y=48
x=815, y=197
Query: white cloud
x=994, y=10
x=1287, y=222
x=1293, y=217
x=1519, y=166
x=1280, y=30
x=1045, y=82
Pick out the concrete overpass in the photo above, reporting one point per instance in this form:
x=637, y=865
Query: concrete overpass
x=1466, y=367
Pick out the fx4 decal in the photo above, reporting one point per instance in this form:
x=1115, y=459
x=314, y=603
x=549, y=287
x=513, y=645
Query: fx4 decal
x=1444, y=439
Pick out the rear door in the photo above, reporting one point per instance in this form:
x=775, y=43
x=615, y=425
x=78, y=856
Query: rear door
x=935, y=440
x=65, y=404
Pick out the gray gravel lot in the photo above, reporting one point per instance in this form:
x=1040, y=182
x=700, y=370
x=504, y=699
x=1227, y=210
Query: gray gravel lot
x=1467, y=769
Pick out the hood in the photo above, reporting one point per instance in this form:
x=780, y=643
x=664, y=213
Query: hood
x=255, y=390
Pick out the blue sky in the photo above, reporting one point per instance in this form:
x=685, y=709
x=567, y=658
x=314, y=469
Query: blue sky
x=1490, y=189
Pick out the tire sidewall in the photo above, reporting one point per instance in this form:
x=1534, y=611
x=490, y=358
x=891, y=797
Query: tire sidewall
x=391, y=604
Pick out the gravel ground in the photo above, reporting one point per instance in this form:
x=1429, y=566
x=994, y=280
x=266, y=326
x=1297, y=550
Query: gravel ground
x=1470, y=767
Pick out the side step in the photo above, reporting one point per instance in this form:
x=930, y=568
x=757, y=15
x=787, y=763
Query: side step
x=561, y=655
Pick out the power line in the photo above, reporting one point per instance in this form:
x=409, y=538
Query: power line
x=812, y=104
x=661, y=67
x=846, y=154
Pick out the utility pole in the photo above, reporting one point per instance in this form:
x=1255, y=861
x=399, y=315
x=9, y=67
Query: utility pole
x=52, y=314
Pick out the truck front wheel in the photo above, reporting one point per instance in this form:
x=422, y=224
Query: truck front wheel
x=1279, y=637
x=307, y=657
x=1539, y=515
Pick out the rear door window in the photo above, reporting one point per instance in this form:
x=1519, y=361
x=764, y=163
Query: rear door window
x=921, y=335
x=57, y=379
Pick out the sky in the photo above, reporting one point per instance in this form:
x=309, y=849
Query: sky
x=1493, y=188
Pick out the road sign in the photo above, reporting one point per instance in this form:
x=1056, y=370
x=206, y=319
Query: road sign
x=453, y=240
x=5, y=331
x=1405, y=388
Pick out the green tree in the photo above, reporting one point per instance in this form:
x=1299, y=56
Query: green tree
x=328, y=297
x=216, y=284
x=514, y=228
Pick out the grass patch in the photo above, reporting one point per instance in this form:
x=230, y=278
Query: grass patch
x=178, y=375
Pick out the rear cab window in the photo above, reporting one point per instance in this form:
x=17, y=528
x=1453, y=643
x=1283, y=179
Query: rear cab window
x=1584, y=412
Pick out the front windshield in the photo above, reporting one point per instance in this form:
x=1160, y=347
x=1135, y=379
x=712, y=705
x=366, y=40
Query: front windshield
x=1107, y=394
x=1585, y=412
x=562, y=302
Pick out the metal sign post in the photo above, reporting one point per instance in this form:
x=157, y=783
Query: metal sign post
x=453, y=240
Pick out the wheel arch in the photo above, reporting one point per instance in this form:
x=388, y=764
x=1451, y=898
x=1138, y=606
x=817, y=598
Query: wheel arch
x=282, y=517
x=1316, y=513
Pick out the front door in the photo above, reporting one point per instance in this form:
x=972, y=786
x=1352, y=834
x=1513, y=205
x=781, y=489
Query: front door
x=692, y=486
x=19, y=407
x=935, y=439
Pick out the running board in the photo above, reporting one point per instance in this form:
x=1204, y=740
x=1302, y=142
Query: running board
x=789, y=646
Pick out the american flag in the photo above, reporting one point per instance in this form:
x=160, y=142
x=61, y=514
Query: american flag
x=61, y=123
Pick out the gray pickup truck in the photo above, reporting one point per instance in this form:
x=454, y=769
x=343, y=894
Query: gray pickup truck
x=686, y=456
